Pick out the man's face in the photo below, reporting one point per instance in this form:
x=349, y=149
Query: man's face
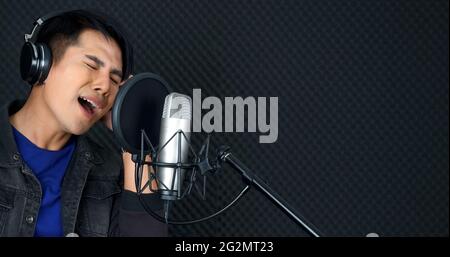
x=81, y=88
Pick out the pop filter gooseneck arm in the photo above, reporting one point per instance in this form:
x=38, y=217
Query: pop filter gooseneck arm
x=224, y=155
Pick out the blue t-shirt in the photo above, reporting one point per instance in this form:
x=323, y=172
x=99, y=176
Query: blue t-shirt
x=49, y=167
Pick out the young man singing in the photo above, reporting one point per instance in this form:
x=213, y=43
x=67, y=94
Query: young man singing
x=54, y=179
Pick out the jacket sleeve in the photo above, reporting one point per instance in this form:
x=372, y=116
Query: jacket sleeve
x=129, y=218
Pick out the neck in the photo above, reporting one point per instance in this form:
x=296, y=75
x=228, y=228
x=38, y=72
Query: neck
x=37, y=123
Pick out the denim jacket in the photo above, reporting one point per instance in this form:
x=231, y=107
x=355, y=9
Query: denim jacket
x=93, y=202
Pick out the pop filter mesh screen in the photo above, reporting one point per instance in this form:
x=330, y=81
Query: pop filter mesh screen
x=141, y=108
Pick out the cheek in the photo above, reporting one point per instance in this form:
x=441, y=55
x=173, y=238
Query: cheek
x=69, y=73
x=65, y=82
x=75, y=75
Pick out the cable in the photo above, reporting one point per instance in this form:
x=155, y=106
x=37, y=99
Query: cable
x=188, y=222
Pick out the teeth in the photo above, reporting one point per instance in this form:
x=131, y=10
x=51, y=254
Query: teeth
x=90, y=102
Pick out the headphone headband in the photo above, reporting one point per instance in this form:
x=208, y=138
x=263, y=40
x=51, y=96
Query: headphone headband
x=38, y=25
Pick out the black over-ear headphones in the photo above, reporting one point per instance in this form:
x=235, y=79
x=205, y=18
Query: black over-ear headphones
x=36, y=58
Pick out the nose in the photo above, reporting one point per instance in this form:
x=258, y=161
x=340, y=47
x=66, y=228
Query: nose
x=102, y=84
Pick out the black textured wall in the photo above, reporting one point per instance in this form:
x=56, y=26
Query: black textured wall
x=363, y=104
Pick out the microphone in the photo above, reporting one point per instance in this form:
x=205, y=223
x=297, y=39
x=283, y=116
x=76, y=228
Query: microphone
x=173, y=144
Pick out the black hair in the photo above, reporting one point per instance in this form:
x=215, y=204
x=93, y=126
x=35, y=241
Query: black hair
x=63, y=30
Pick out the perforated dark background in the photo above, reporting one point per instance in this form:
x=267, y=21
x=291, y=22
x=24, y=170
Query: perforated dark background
x=363, y=104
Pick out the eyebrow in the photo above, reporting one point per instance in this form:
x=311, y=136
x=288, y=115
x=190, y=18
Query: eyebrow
x=102, y=64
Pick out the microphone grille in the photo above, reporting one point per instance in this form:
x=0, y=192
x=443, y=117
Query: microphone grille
x=177, y=106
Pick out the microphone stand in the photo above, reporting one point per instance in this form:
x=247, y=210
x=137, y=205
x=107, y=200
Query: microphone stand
x=224, y=155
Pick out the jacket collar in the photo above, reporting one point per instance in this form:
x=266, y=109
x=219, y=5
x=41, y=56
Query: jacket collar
x=10, y=156
x=81, y=164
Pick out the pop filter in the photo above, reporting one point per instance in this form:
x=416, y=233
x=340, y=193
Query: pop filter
x=139, y=105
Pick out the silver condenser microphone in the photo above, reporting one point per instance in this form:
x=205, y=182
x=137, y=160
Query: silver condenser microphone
x=177, y=116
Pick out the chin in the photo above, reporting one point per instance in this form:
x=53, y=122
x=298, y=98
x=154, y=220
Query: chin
x=79, y=133
x=78, y=130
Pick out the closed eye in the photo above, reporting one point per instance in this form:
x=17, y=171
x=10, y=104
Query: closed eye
x=114, y=81
x=93, y=67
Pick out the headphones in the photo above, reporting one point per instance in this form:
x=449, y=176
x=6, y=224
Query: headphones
x=36, y=58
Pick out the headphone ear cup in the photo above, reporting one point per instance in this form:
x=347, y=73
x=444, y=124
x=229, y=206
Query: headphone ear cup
x=35, y=62
x=29, y=59
x=45, y=62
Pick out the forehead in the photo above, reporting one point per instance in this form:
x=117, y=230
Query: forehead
x=107, y=49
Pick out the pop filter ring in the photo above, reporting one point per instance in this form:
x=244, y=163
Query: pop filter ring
x=119, y=102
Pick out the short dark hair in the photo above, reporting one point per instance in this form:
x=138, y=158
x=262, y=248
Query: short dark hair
x=63, y=30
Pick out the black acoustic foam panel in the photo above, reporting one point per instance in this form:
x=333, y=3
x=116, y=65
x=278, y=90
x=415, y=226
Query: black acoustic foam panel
x=363, y=104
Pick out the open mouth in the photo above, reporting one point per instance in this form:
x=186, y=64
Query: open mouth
x=87, y=105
